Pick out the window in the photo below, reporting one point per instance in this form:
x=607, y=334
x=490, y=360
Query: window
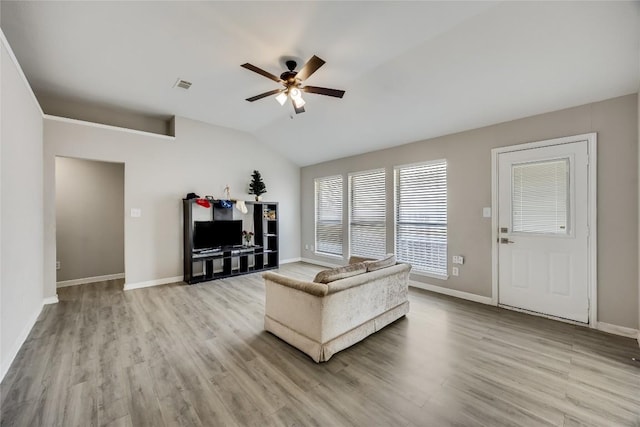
x=540, y=197
x=421, y=216
x=367, y=215
x=329, y=215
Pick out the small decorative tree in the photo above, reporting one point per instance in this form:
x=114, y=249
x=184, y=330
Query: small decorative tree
x=256, y=186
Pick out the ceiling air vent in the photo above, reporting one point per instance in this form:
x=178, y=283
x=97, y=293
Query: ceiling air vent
x=183, y=84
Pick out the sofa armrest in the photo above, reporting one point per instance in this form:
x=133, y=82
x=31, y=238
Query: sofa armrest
x=312, y=288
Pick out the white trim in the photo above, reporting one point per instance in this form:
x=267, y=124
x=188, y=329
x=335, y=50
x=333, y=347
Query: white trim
x=592, y=249
x=623, y=331
x=546, y=316
x=87, y=280
x=327, y=255
x=108, y=127
x=494, y=227
x=430, y=275
x=290, y=260
x=149, y=283
x=6, y=45
x=592, y=221
x=320, y=263
x=451, y=292
x=20, y=341
x=50, y=300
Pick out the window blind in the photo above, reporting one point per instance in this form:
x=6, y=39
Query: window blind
x=329, y=215
x=421, y=216
x=540, y=197
x=367, y=223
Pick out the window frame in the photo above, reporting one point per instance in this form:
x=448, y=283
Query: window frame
x=350, y=204
x=315, y=216
x=396, y=170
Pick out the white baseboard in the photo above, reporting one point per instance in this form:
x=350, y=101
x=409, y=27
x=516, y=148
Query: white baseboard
x=149, y=283
x=50, y=300
x=23, y=337
x=320, y=263
x=290, y=260
x=618, y=330
x=451, y=292
x=87, y=280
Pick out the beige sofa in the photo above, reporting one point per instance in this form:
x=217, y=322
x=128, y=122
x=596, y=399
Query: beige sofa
x=339, y=308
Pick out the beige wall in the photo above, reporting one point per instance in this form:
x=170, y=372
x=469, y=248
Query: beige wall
x=89, y=218
x=21, y=295
x=83, y=110
x=469, y=190
x=158, y=173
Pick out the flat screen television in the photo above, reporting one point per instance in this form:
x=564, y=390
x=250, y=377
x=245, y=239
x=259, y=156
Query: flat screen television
x=214, y=234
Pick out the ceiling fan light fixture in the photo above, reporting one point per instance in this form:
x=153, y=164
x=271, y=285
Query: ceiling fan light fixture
x=298, y=101
x=282, y=98
x=295, y=93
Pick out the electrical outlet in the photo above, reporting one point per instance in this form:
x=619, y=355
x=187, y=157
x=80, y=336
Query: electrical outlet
x=455, y=271
x=57, y=265
x=458, y=259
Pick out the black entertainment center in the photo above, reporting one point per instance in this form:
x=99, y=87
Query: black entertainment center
x=213, y=246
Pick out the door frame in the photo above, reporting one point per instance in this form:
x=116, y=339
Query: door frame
x=592, y=243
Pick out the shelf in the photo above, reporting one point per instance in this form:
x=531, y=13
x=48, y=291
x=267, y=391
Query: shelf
x=232, y=261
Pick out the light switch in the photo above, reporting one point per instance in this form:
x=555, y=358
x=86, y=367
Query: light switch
x=486, y=212
x=136, y=212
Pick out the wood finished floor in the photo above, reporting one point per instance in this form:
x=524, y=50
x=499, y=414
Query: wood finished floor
x=197, y=355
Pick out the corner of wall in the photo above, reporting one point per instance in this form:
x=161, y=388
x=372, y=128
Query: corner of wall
x=22, y=136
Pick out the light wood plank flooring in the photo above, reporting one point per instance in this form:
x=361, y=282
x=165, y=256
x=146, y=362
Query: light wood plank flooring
x=197, y=355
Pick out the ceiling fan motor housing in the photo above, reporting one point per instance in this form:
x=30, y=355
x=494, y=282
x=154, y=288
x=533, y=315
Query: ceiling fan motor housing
x=289, y=76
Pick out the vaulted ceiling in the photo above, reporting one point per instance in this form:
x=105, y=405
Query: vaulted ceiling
x=412, y=70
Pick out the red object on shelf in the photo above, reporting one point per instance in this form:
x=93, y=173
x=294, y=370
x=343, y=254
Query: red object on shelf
x=203, y=202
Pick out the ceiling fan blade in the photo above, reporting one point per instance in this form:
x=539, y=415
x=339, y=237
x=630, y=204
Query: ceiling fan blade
x=298, y=110
x=324, y=91
x=264, y=95
x=310, y=67
x=261, y=72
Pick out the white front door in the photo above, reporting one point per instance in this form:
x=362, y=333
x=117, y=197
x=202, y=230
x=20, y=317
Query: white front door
x=543, y=258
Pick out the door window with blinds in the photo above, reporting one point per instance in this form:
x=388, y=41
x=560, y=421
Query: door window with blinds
x=367, y=214
x=540, y=197
x=328, y=194
x=421, y=216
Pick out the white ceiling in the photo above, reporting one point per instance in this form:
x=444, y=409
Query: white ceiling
x=412, y=70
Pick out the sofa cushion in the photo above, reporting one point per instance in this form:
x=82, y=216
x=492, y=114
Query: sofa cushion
x=388, y=261
x=328, y=276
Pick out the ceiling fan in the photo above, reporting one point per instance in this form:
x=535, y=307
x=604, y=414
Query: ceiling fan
x=292, y=82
